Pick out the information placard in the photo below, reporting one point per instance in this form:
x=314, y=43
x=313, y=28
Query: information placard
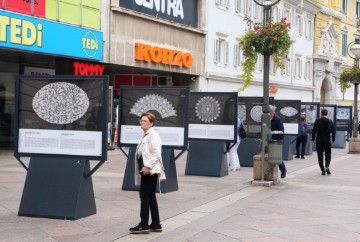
x=168, y=104
x=289, y=113
x=62, y=116
x=250, y=110
x=343, y=118
x=213, y=116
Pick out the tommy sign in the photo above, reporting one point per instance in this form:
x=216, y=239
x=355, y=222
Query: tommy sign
x=179, y=11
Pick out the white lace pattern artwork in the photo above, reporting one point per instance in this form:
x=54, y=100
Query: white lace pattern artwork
x=256, y=113
x=288, y=111
x=207, y=109
x=60, y=103
x=153, y=102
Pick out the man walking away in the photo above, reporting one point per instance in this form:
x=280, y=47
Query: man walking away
x=324, y=132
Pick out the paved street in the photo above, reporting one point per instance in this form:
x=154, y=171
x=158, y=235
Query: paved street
x=305, y=206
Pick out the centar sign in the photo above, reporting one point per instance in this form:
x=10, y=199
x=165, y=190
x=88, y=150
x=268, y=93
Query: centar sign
x=164, y=56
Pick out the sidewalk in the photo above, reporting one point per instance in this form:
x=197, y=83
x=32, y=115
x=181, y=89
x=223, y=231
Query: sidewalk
x=305, y=206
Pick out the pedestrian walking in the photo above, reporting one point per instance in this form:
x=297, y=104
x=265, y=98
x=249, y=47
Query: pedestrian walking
x=277, y=125
x=324, y=134
x=234, y=163
x=302, y=139
x=149, y=170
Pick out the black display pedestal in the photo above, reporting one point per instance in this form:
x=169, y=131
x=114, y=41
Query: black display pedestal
x=206, y=159
x=308, y=147
x=57, y=188
x=169, y=185
x=248, y=148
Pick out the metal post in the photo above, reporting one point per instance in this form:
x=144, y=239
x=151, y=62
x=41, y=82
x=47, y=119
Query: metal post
x=265, y=117
x=355, y=119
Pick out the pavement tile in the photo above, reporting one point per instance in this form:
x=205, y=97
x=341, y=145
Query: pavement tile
x=305, y=206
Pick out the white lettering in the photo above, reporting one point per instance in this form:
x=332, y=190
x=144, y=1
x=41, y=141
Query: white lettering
x=171, y=5
x=149, y=4
x=174, y=6
x=139, y=2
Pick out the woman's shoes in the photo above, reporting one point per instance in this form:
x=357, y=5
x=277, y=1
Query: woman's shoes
x=323, y=173
x=328, y=170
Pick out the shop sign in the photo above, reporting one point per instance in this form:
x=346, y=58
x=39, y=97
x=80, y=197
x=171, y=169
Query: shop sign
x=85, y=69
x=149, y=53
x=40, y=35
x=179, y=11
x=25, y=6
x=38, y=71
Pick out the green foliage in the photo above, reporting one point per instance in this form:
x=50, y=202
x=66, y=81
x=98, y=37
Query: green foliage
x=349, y=76
x=271, y=39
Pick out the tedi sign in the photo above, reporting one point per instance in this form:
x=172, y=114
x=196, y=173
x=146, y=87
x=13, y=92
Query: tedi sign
x=180, y=11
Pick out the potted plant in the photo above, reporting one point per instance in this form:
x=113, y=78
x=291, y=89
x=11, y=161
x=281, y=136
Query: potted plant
x=271, y=39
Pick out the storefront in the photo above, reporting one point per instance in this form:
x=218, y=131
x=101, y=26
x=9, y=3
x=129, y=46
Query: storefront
x=35, y=46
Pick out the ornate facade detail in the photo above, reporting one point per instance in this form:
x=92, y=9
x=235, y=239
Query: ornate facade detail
x=331, y=12
x=327, y=64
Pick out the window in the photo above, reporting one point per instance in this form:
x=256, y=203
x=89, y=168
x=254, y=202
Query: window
x=273, y=68
x=344, y=6
x=308, y=69
x=286, y=70
x=275, y=14
x=357, y=11
x=344, y=44
x=257, y=11
x=221, y=51
x=223, y=3
x=259, y=63
x=299, y=25
x=298, y=67
x=309, y=29
x=287, y=14
x=237, y=55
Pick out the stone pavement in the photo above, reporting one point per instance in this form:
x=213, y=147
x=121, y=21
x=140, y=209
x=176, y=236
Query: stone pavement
x=305, y=206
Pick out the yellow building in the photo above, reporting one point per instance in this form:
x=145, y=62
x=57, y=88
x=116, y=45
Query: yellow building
x=349, y=32
x=327, y=51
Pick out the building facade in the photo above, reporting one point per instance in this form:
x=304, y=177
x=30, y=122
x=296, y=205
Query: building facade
x=43, y=38
x=224, y=53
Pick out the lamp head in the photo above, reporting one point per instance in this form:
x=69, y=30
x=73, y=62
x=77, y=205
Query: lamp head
x=355, y=50
x=266, y=3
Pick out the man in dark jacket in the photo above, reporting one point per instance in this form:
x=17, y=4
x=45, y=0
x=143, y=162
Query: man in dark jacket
x=324, y=131
x=277, y=125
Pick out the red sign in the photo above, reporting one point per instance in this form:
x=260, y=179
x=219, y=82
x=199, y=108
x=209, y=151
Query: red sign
x=85, y=69
x=24, y=6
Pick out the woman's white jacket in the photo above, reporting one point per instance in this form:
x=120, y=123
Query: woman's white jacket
x=151, y=154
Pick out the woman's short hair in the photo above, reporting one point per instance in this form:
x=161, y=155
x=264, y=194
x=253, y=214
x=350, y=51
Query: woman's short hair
x=302, y=118
x=150, y=116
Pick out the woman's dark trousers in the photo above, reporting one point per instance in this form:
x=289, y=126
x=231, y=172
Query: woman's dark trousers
x=148, y=200
x=301, y=140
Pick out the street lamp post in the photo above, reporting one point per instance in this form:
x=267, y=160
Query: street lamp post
x=354, y=53
x=265, y=117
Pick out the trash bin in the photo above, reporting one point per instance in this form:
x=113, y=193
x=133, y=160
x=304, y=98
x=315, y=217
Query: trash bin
x=275, y=152
x=275, y=149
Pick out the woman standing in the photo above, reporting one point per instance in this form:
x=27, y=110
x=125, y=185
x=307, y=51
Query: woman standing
x=149, y=170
